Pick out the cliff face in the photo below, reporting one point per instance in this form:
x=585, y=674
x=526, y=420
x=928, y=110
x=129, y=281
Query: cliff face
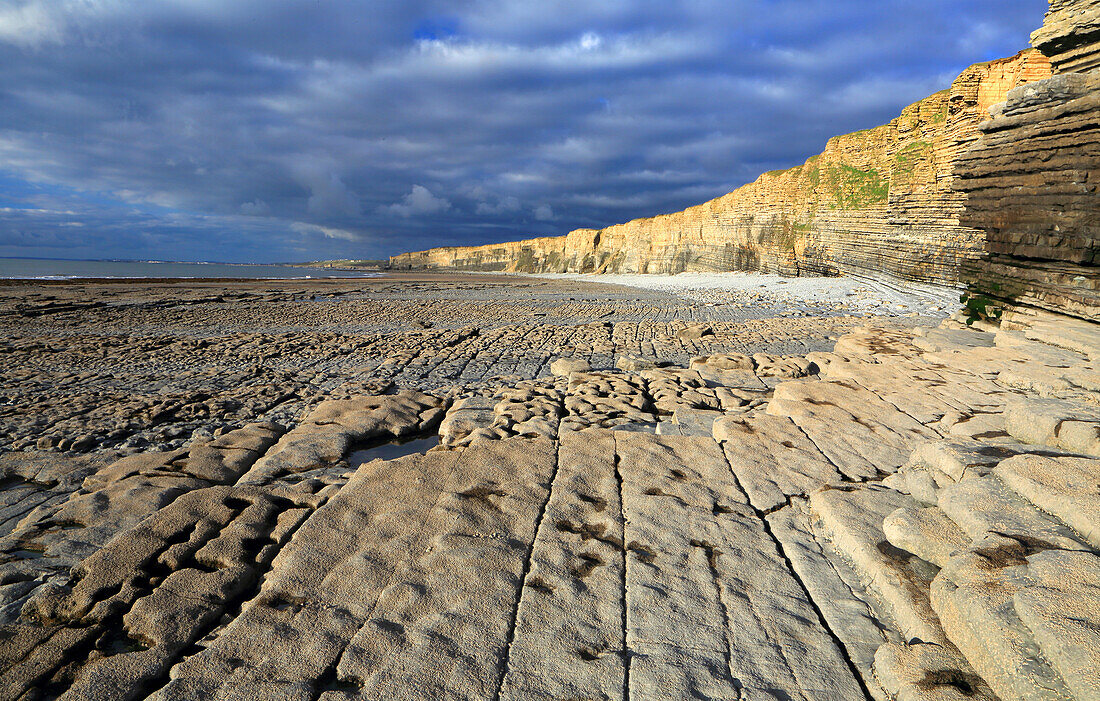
x=1070, y=35
x=1033, y=177
x=878, y=202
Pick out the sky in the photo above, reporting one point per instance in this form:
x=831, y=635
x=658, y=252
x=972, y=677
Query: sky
x=296, y=130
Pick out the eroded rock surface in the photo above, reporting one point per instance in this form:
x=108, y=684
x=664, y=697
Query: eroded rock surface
x=751, y=526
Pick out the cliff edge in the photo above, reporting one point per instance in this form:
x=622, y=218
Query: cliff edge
x=1032, y=180
x=880, y=202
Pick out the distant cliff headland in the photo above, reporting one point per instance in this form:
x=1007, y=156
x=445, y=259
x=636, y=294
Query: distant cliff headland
x=881, y=202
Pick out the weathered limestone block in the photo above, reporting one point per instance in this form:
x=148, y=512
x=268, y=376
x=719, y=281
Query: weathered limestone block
x=695, y=331
x=928, y=672
x=152, y=591
x=936, y=465
x=975, y=596
x=855, y=616
x=984, y=426
x=113, y=499
x=1070, y=35
x=985, y=505
x=1038, y=367
x=772, y=458
x=569, y=627
x=725, y=361
x=563, y=367
x=941, y=339
x=852, y=518
x=692, y=422
x=1070, y=426
x=1067, y=487
x=922, y=391
x=405, y=583
x=926, y=532
x=837, y=416
x=674, y=388
x=787, y=366
x=629, y=363
x=531, y=409
x=453, y=604
x=606, y=400
x=465, y=416
x=1057, y=330
x=871, y=344
x=711, y=607
x=227, y=457
x=1061, y=608
x=735, y=381
x=326, y=434
x=36, y=484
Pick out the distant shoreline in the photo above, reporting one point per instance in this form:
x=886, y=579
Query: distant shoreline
x=16, y=282
x=45, y=270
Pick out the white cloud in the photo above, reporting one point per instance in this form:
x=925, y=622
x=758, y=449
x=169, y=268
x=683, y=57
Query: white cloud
x=326, y=231
x=504, y=206
x=433, y=58
x=576, y=150
x=34, y=211
x=544, y=212
x=35, y=23
x=31, y=24
x=418, y=202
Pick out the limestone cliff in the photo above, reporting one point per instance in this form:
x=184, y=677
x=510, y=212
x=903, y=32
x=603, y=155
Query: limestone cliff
x=1070, y=35
x=1032, y=178
x=878, y=202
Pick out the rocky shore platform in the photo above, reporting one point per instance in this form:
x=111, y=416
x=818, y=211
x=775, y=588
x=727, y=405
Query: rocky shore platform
x=498, y=487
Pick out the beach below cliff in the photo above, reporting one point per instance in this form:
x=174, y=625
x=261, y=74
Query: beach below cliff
x=771, y=294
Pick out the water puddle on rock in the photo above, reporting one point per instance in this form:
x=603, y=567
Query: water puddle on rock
x=393, y=450
x=27, y=554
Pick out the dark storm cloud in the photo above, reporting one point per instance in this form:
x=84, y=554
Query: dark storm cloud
x=278, y=129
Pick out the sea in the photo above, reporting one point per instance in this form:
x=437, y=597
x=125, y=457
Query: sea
x=47, y=269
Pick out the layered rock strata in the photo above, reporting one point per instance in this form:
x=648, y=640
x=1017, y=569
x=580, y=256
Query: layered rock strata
x=1032, y=178
x=1070, y=36
x=877, y=202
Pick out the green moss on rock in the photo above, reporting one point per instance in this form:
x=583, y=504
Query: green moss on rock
x=853, y=188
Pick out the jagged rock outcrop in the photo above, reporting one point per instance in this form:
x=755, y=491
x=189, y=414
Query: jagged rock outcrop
x=1070, y=35
x=877, y=202
x=1032, y=179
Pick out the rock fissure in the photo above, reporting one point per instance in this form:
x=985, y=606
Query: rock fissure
x=761, y=516
x=624, y=548
x=521, y=587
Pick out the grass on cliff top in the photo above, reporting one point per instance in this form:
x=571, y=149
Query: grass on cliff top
x=782, y=171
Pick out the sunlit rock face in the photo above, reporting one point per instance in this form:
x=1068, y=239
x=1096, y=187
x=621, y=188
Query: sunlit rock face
x=1070, y=36
x=878, y=202
x=1031, y=178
